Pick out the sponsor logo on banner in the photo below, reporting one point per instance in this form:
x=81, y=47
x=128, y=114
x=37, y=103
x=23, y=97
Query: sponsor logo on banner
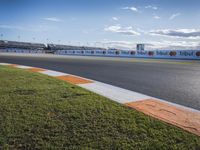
x=70, y=52
x=173, y=53
x=117, y=52
x=162, y=53
x=133, y=52
x=125, y=52
x=111, y=52
x=142, y=52
x=88, y=52
x=99, y=52
x=78, y=52
x=150, y=53
x=198, y=54
x=186, y=53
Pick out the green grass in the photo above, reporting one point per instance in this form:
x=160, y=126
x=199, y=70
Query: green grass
x=39, y=112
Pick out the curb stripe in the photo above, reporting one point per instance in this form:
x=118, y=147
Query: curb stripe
x=114, y=93
x=36, y=69
x=23, y=67
x=13, y=65
x=175, y=114
x=53, y=73
x=4, y=64
x=73, y=79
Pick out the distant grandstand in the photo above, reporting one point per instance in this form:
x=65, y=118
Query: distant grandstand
x=21, y=45
x=68, y=47
x=49, y=48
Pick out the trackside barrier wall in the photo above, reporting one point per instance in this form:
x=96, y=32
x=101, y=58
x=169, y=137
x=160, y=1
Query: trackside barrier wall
x=176, y=54
x=16, y=50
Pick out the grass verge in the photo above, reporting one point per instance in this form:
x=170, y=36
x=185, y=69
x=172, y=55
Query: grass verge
x=40, y=112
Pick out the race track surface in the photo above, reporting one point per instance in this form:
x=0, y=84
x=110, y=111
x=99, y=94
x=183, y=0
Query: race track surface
x=176, y=81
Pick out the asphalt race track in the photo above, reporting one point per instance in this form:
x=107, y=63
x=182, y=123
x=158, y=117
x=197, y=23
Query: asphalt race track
x=176, y=81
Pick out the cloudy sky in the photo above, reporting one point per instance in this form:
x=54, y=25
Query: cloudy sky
x=160, y=24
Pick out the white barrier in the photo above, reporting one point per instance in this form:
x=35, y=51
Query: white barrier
x=174, y=54
x=15, y=50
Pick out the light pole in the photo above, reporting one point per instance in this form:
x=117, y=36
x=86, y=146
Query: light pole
x=18, y=37
x=47, y=40
x=1, y=36
x=33, y=39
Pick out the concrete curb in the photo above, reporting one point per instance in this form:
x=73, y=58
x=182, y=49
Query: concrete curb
x=178, y=115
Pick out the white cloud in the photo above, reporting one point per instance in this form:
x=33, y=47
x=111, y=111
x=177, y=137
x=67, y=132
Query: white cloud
x=153, y=45
x=156, y=17
x=181, y=33
x=119, y=44
x=54, y=19
x=173, y=16
x=173, y=45
x=151, y=7
x=115, y=18
x=122, y=30
x=134, y=9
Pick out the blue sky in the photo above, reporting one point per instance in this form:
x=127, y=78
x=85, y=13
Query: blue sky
x=161, y=24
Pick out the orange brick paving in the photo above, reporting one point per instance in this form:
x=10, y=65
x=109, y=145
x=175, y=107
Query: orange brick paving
x=180, y=117
x=36, y=69
x=12, y=65
x=74, y=80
